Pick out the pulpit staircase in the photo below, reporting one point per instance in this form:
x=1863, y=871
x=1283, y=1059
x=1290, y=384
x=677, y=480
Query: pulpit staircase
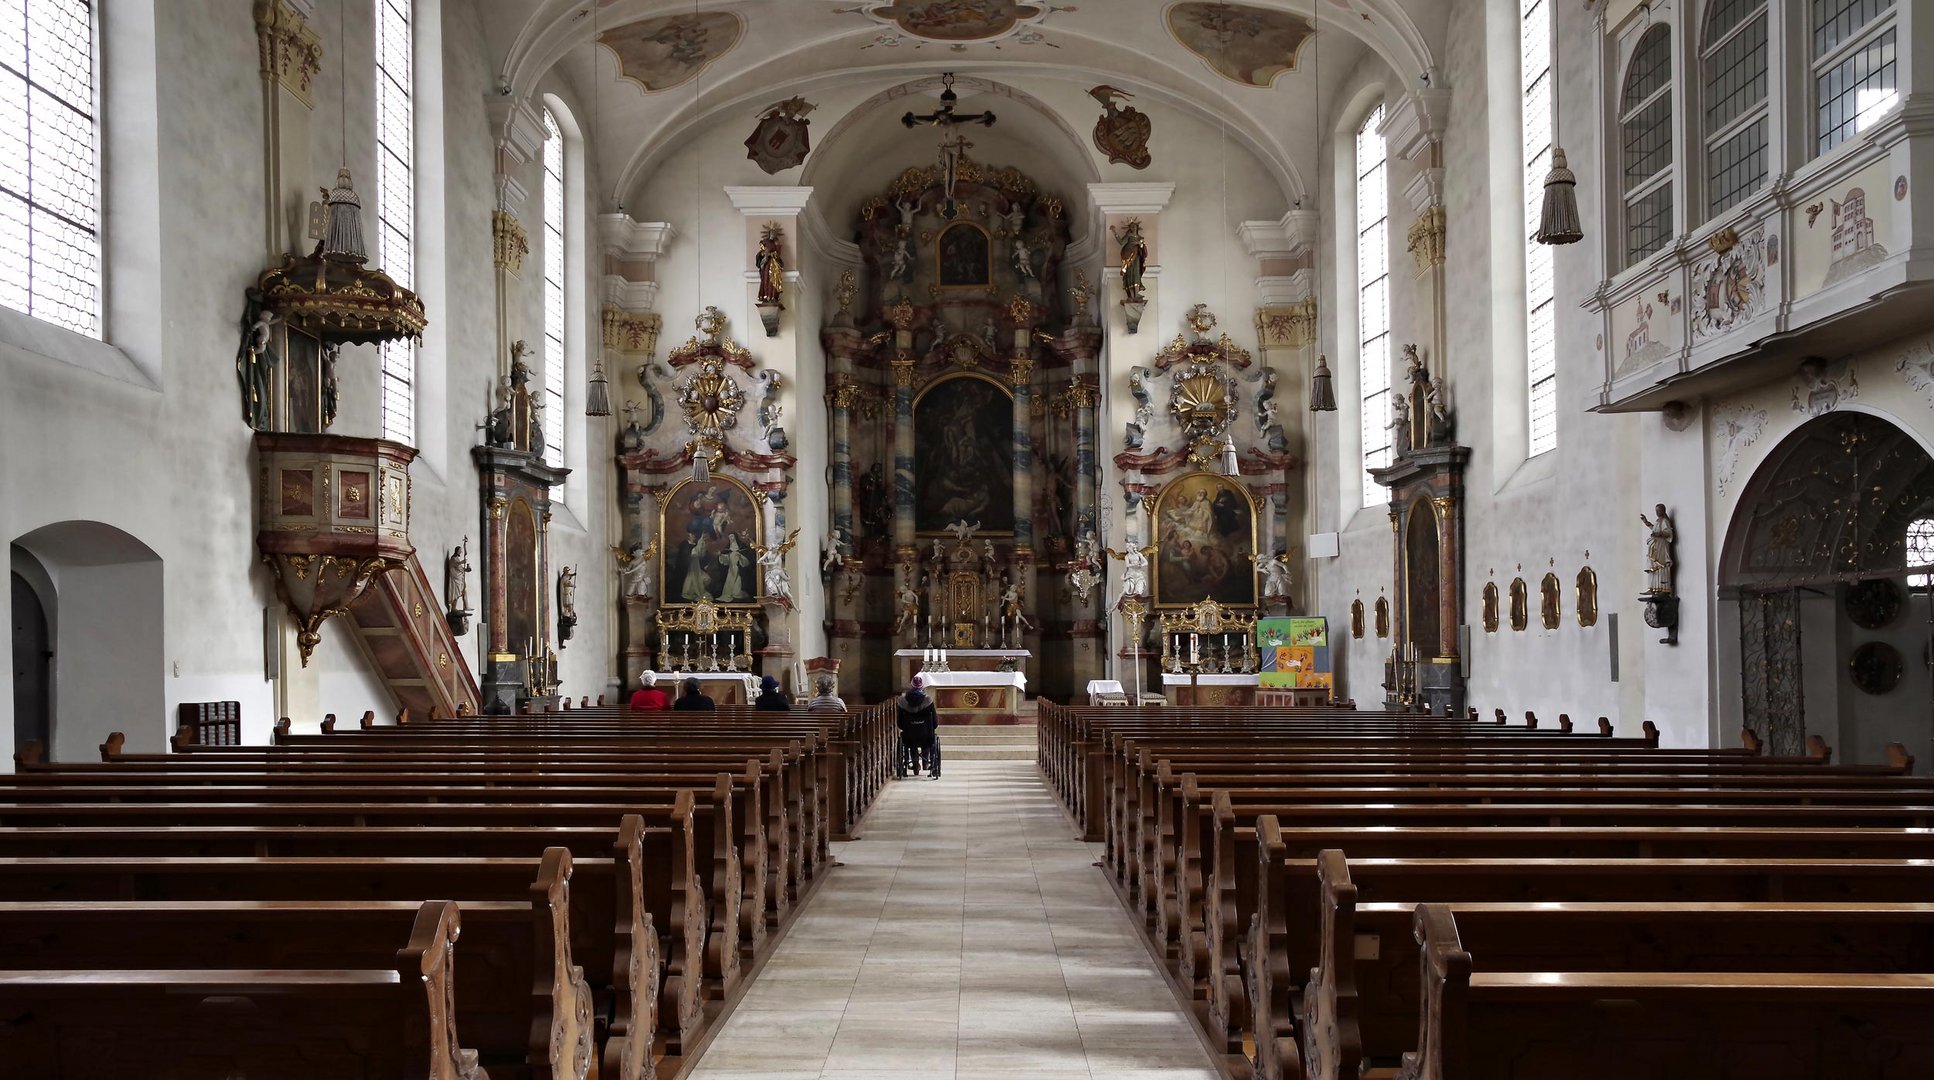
x=402, y=629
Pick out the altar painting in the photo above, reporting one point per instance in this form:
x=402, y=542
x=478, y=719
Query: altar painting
x=708, y=532
x=963, y=455
x=521, y=585
x=962, y=256
x=1205, y=536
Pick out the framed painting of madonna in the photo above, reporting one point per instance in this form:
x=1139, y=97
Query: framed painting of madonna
x=1205, y=537
x=708, y=533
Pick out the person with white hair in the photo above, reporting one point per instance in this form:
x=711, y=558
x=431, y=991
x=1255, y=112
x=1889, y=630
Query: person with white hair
x=824, y=700
x=648, y=698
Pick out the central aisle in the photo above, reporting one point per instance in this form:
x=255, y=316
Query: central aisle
x=967, y=936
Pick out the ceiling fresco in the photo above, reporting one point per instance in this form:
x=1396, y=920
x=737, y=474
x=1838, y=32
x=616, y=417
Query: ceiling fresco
x=1248, y=45
x=661, y=53
x=957, y=23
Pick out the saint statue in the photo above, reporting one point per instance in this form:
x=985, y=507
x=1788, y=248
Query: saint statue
x=1658, y=551
x=255, y=363
x=456, y=580
x=567, y=593
x=772, y=267
x=1134, y=260
x=330, y=394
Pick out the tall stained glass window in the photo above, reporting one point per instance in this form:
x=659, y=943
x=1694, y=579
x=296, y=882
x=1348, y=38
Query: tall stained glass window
x=50, y=218
x=553, y=290
x=1540, y=288
x=396, y=202
x=1373, y=299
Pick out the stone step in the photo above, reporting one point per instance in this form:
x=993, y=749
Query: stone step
x=955, y=752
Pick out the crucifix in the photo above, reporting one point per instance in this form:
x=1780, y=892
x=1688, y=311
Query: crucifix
x=951, y=150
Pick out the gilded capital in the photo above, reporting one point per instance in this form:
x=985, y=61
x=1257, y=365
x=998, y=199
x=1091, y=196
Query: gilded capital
x=509, y=244
x=291, y=53
x=1020, y=371
x=847, y=395
x=631, y=331
x=902, y=371
x=1287, y=326
x=1427, y=239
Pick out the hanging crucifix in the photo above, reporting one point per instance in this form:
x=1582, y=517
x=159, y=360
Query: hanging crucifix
x=952, y=149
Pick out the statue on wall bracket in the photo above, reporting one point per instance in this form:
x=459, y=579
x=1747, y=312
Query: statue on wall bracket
x=1121, y=133
x=771, y=264
x=1134, y=262
x=1661, y=601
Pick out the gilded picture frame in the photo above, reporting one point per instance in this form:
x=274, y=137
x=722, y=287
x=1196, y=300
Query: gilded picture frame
x=1520, y=605
x=1586, y=600
x=1205, y=540
x=1383, y=617
x=1356, y=619
x=708, y=535
x=951, y=260
x=960, y=416
x=1550, y=602
x=1490, y=607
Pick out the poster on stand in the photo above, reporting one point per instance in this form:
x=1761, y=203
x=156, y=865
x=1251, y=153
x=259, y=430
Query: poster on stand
x=1295, y=652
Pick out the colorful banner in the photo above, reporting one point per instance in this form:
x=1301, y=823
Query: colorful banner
x=1295, y=652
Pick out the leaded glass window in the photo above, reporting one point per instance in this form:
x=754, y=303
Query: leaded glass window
x=553, y=290
x=1733, y=65
x=50, y=243
x=1373, y=299
x=1920, y=551
x=1645, y=137
x=1856, y=79
x=1540, y=287
x=396, y=202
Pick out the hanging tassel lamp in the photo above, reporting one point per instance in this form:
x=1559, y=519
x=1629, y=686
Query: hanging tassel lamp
x=1322, y=388
x=1558, y=222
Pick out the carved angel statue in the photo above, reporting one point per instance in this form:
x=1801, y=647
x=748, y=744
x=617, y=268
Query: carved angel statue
x=773, y=561
x=1023, y=256
x=909, y=608
x=939, y=550
x=634, y=569
x=1012, y=598
x=963, y=532
x=902, y=267
x=1134, y=568
x=1276, y=577
x=1087, y=549
x=836, y=552
x=456, y=579
x=989, y=558
x=567, y=592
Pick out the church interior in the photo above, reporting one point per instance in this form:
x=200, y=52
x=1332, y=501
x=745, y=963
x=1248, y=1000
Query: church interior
x=1477, y=451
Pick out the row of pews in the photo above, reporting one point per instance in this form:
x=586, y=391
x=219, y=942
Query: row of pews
x=550, y=897
x=1349, y=894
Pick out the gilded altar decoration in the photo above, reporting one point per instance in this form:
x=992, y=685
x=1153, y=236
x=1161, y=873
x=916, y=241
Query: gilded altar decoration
x=1208, y=638
x=781, y=139
x=509, y=243
x=330, y=294
x=711, y=532
x=711, y=399
x=1202, y=393
x=291, y=52
x=702, y=636
x=1248, y=45
x=670, y=51
x=1205, y=538
x=1426, y=242
x=963, y=444
x=1121, y=133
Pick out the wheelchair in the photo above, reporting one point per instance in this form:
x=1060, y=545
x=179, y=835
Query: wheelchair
x=910, y=759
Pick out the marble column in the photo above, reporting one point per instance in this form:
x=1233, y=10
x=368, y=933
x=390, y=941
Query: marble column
x=517, y=127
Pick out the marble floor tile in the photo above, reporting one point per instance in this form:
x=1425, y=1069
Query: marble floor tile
x=966, y=937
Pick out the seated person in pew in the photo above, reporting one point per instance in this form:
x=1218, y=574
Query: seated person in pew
x=648, y=698
x=693, y=699
x=824, y=700
x=770, y=699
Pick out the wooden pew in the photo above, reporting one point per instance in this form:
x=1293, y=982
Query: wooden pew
x=390, y=1021
x=1590, y=1025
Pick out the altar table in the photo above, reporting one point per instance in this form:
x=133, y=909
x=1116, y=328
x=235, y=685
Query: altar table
x=1183, y=689
x=977, y=697
x=723, y=687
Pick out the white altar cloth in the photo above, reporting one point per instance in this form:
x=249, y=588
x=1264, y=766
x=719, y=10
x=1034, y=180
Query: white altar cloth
x=976, y=678
x=1176, y=678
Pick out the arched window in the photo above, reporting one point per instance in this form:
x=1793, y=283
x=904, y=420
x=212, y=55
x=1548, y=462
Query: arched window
x=553, y=291
x=50, y=181
x=1920, y=551
x=1732, y=62
x=1645, y=135
x=1540, y=286
x=1373, y=299
x=1855, y=79
x=396, y=201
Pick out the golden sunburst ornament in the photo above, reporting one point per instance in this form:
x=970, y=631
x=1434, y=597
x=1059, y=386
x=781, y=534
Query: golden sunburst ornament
x=710, y=398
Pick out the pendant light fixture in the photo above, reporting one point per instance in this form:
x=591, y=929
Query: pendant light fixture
x=1322, y=388
x=597, y=393
x=702, y=447
x=1558, y=221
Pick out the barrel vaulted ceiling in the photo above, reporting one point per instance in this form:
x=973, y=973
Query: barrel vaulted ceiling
x=662, y=71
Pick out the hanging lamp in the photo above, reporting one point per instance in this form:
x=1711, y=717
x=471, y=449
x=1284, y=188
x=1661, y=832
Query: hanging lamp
x=1558, y=221
x=597, y=393
x=1322, y=388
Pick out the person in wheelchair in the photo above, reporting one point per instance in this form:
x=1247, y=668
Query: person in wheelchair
x=919, y=735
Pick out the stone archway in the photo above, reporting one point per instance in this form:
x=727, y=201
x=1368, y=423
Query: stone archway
x=1816, y=568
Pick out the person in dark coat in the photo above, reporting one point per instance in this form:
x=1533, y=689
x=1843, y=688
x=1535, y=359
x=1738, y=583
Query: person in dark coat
x=770, y=699
x=919, y=724
x=692, y=699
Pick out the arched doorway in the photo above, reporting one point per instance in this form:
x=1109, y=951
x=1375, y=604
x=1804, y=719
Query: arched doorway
x=1825, y=575
x=100, y=590
x=33, y=671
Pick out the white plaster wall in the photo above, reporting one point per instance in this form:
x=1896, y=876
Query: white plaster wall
x=157, y=448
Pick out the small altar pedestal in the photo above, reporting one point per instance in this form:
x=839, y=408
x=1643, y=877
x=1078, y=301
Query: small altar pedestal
x=1293, y=697
x=977, y=697
x=907, y=662
x=1181, y=689
x=723, y=687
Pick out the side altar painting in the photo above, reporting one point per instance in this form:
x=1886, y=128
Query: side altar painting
x=963, y=451
x=710, y=532
x=1205, y=538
